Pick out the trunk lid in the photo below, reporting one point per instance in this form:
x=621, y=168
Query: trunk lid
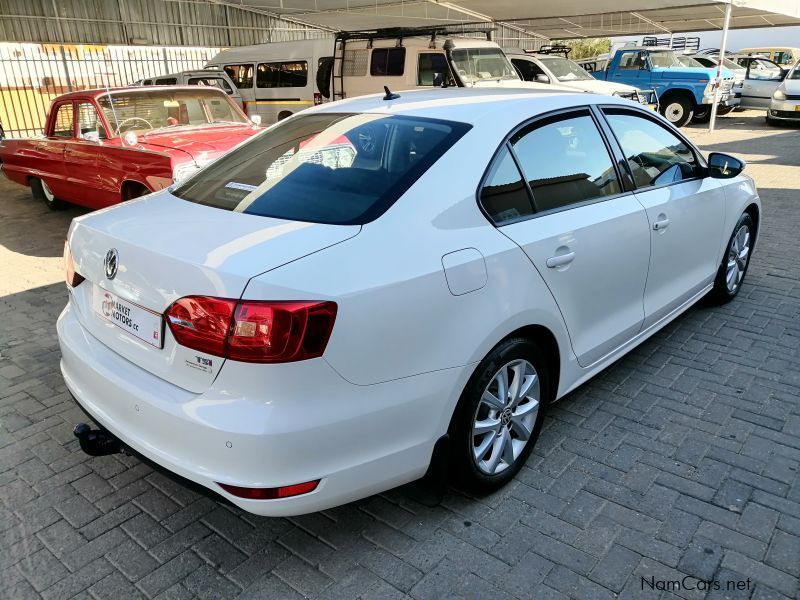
x=168, y=248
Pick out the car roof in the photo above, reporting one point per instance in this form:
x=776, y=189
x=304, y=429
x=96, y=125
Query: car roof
x=470, y=105
x=97, y=92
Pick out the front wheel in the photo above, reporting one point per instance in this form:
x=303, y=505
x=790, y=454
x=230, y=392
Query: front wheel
x=735, y=261
x=678, y=111
x=41, y=191
x=499, y=416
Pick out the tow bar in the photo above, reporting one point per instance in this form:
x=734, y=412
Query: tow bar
x=96, y=442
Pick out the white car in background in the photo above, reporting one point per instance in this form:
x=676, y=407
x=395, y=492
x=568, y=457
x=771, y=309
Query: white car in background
x=304, y=321
x=548, y=68
x=785, y=103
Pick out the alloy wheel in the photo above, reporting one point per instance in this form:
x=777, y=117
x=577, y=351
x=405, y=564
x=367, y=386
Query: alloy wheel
x=505, y=417
x=737, y=258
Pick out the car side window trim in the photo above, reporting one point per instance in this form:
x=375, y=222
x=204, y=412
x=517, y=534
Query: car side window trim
x=527, y=126
x=699, y=158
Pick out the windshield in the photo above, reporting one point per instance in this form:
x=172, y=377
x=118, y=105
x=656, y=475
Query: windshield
x=145, y=111
x=343, y=169
x=795, y=72
x=565, y=70
x=479, y=64
x=665, y=59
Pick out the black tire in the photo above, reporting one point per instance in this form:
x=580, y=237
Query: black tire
x=702, y=114
x=465, y=468
x=678, y=110
x=133, y=190
x=725, y=110
x=41, y=191
x=771, y=122
x=324, y=72
x=722, y=292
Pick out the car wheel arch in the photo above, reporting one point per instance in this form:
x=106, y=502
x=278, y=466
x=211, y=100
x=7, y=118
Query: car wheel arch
x=131, y=189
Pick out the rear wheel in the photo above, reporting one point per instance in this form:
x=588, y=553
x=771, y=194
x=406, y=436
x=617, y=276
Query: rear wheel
x=724, y=110
x=133, y=189
x=677, y=110
x=41, y=191
x=735, y=261
x=702, y=114
x=499, y=416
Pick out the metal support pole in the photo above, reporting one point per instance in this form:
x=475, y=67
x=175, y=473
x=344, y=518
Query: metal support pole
x=722, y=47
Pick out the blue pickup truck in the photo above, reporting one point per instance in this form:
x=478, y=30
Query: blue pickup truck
x=684, y=93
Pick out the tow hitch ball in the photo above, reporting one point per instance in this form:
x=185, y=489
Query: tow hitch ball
x=96, y=442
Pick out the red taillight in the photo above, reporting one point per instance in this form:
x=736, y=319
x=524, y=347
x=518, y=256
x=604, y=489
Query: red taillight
x=252, y=331
x=286, y=491
x=72, y=277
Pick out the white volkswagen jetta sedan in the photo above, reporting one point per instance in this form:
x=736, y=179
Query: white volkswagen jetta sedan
x=301, y=323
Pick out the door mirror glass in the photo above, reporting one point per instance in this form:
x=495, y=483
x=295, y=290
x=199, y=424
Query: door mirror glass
x=724, y=166
x=542, y=78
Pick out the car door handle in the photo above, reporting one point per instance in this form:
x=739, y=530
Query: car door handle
x=560, y=260
x=660, y=225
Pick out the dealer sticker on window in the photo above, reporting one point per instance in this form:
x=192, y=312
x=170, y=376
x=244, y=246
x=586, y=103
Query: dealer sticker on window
x=137, y=320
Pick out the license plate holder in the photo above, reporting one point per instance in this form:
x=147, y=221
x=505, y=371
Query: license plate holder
x=138, y=321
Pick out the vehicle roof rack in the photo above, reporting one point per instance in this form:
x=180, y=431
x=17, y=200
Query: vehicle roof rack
x=390, y=33
x=675, y=43
x=553, y=49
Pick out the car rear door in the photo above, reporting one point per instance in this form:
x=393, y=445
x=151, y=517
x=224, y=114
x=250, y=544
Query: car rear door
x=585, y=235
x=761, y=80
x=685, y=209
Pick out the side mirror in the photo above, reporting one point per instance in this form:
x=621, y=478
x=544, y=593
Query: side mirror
x=542, y=78
x=91, y=136
x=255, y=120
x=724, y=166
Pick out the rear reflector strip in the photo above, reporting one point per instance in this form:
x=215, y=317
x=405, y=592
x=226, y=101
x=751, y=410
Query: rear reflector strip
x=286, y=491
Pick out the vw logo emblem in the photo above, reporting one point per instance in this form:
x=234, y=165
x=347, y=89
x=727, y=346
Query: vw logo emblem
x=110, y=263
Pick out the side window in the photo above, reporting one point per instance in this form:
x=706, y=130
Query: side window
x=566, y=162
x=387, y=62
x=432, y=69
x=655, y=155
x=633, y=61
x=282, y=74
x=211, y=81
x=504, y=196
x=147, y=82
x=354, y=63
x=63, y=124
x=167, y=81
x=241, y=75
x=88, y=122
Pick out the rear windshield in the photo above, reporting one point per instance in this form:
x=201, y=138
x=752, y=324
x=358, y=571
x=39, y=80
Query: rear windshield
x=344, y=169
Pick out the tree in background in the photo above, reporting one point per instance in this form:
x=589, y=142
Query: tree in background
x=586, y=48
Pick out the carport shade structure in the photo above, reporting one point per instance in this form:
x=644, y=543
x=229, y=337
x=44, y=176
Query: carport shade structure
x=567, y=19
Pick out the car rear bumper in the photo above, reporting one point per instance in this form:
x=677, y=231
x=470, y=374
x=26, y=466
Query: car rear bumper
x=265, y=425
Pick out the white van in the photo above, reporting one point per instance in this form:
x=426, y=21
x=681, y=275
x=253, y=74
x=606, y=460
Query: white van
x=276, y=80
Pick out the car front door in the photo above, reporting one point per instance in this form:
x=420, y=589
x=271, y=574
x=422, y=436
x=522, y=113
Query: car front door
x=587, y=238
x=685, y=209
x=91, y=180
x=761, y=80
x=633, y=68
x=51, y=165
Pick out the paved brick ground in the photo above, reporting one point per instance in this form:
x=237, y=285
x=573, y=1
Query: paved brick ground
x=682, y=459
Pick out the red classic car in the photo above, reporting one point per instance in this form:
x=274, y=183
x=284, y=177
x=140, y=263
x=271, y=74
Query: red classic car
x=101, y=147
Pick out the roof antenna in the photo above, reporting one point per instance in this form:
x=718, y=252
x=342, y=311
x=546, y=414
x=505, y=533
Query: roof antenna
x=389, y=94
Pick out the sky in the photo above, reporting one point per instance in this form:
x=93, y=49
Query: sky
x=745, y=38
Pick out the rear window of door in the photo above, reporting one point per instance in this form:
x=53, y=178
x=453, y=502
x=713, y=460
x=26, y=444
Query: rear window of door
x=63, y=121
x=282, y=74
x=342, y=169
x=655, y=155
x=241, y=75
x=387, y=62
x=565, y=161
